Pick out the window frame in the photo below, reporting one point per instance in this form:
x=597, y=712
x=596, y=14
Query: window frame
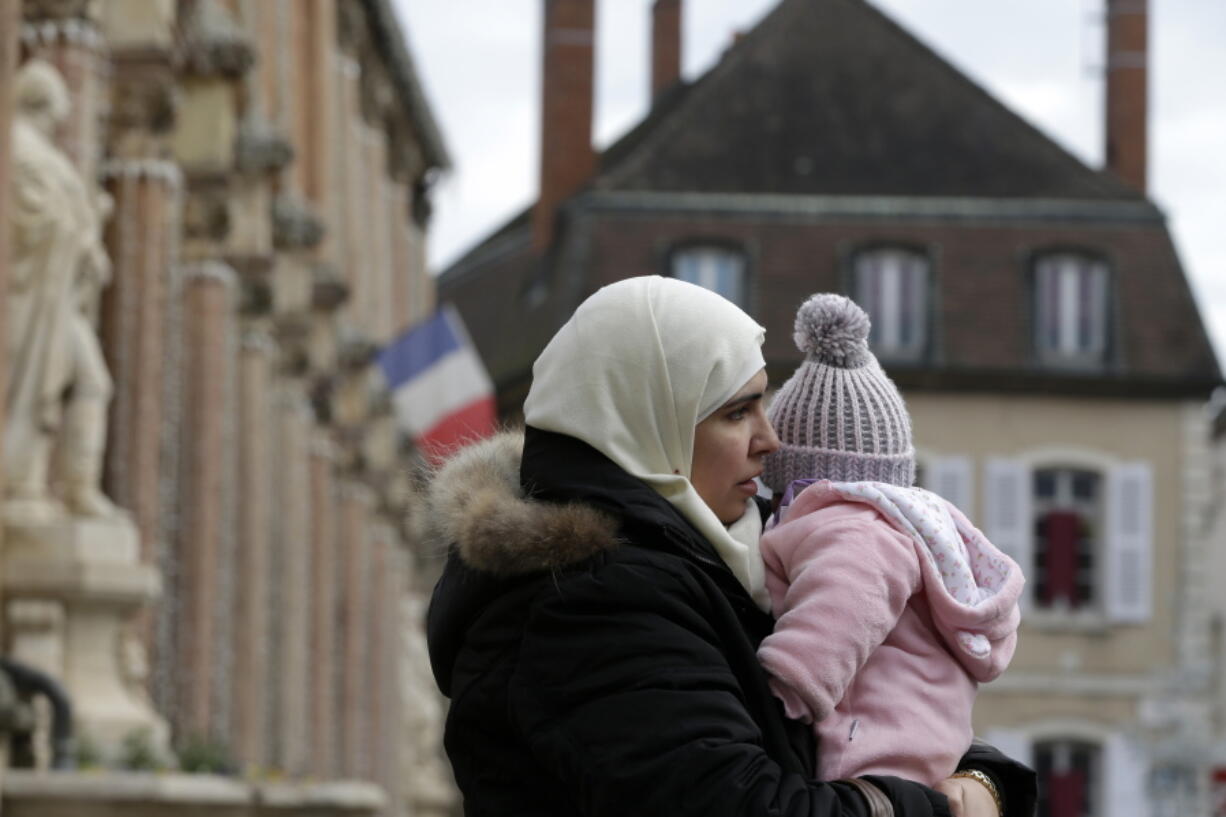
x=714, y=244
x=1121, y=551
x=1096, y=604
x=1048, y=356
x=1124, y=767
x=921, y=350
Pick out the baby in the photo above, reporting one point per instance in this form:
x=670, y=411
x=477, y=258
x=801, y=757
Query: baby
x=891, y=607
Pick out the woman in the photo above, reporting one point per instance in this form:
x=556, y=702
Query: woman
x=597, y=621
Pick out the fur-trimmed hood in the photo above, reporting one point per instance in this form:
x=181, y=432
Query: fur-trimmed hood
x=475, y=504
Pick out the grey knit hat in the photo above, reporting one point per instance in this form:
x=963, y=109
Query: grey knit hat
x=839, y=416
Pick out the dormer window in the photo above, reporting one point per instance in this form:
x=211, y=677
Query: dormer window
x=1071, y=325
x=891, y=284
x=718, y=269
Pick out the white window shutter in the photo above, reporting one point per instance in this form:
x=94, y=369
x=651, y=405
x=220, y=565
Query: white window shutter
x=1013, y=743
x=1125, y=772
x=1129, y=543
x=950, y=477
x=1007, y=513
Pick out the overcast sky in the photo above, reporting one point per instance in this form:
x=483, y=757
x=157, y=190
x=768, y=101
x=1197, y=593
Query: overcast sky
x=479, y=61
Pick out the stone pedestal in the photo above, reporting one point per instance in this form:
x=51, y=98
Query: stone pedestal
x=84, y=579
x=31, y=794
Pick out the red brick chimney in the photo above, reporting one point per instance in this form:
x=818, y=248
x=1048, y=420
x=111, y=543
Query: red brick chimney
x=567, y=158
x=1127, y=90
x=665, y=46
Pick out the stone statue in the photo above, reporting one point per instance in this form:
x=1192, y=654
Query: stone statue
x=59, y=387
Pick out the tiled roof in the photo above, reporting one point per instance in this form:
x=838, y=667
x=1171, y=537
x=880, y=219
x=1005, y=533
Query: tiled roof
x=833, y=97
x=830, y=117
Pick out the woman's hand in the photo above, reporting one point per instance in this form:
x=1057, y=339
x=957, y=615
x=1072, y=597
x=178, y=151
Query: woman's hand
x=968, y=797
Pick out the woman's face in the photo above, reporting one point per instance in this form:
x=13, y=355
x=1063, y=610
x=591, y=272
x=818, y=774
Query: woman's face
x=728, y=450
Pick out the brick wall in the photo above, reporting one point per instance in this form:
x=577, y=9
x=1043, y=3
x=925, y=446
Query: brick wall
x=665, y=45
x=1127, y=96
x=567, y=158
x=982, y=308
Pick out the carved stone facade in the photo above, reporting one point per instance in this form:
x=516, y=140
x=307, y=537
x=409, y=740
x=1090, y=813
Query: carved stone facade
x=269, y=164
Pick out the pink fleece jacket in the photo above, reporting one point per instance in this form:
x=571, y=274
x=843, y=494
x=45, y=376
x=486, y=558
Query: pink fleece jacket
x=872, y=644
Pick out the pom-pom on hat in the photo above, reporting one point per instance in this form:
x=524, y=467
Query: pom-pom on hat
x=839, y=416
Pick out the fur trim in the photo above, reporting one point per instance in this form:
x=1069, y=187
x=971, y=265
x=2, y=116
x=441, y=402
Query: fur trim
x=476, y=504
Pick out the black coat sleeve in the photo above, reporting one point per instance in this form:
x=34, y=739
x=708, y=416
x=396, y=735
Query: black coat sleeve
x=1017, y=783
x=623, y=691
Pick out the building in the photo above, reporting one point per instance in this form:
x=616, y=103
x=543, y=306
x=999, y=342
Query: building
x=269, y=166
x=1215, y=565
x=1032, y=309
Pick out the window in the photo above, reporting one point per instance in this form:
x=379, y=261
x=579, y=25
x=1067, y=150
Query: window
x=716, y=268
x=1086, y=771
x=892, y=286
x=1071, y=323
x=1069, y=772
x=950, y=477
x=1068, y=527
x=1081, y=528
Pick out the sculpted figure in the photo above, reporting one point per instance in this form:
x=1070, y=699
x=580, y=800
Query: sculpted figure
x=59, y=387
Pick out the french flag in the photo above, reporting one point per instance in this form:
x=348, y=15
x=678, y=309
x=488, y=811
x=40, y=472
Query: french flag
x=442, y=394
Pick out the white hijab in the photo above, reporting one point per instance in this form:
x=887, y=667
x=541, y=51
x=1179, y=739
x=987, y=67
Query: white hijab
x=637, y=367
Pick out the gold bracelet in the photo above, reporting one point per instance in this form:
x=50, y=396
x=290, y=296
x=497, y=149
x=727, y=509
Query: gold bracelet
x=975, y=774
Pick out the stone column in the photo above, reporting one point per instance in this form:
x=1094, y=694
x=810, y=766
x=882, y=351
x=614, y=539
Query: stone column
x=67, y=36
x=423, y=282
x=377, y=657
x=324, y=658
x=209, y=297
x=316, y=137
x=387, y=650
x=352, y=212
x=252, y=634
x=354, y=577
x=425, y=779
x=402, y=277
x=142, y=238
x=381, y=261
x=291, y=581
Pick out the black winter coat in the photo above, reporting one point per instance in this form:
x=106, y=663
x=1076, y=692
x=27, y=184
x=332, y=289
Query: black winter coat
x=601, y=658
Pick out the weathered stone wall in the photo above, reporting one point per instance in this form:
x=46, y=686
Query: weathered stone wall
x=265, y=161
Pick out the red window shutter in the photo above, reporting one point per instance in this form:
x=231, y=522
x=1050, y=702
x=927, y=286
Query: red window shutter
x=1062, y=530
x=1067, y=793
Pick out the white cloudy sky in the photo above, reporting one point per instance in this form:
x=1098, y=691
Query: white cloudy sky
x=480, y=64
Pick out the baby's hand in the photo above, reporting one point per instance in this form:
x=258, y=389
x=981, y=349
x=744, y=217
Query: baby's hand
x=968, y=797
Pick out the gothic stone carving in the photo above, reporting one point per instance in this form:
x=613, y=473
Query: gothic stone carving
x=144, y=102
x=38, y=10
x=260, y=147
x=294, y=225
x=213, y=45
